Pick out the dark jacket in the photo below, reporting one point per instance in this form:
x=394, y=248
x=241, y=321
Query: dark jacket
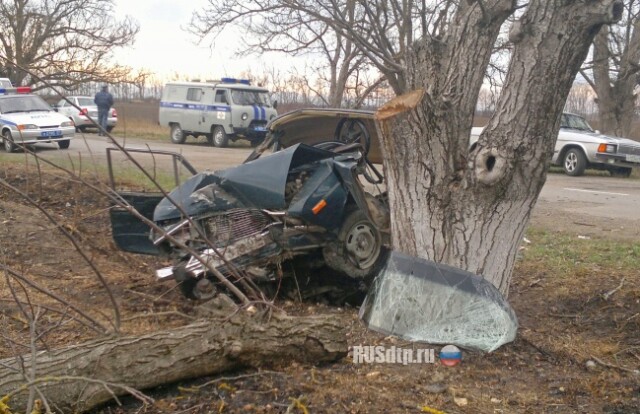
x=103, y=99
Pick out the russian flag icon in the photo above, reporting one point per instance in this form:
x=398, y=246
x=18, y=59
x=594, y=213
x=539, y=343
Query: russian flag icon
x=450, y=356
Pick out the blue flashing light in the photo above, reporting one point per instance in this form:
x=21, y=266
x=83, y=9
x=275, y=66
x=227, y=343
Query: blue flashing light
x=234, y=80
x=19, y=89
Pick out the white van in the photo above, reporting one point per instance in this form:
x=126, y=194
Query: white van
x=224, y=110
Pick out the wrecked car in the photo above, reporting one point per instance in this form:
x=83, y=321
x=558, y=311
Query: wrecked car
x=312, y=194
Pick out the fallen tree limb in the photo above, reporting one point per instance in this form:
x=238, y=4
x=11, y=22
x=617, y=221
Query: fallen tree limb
x=195, y=350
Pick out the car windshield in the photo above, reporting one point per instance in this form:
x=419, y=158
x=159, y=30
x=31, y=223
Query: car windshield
x=250, y=97
x=86, y=102
x=23, y=103
x=5, y=83
x=575, y=122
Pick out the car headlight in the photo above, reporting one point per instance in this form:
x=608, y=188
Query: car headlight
x=66, y=124
x=22, y=127
x=245, y=116
x=608, y=148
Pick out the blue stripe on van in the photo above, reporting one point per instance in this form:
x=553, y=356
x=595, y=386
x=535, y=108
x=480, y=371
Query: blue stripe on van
x=255, y=112
x=263, y=113
x=197, y=107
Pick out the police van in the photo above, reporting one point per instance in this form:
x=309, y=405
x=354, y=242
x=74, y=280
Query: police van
x=27, y=119
x=228, y=109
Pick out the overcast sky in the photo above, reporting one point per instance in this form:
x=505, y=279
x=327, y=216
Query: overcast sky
x=165, y=49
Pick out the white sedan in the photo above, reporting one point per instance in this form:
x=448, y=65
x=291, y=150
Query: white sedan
x=579, y=147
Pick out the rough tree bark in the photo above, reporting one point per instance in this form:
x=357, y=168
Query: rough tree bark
x=195, y=350
x=470, y=210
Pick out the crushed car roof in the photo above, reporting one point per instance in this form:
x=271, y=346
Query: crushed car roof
x=312, y=126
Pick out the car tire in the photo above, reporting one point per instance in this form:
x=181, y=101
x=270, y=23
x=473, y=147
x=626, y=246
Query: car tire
x=7, y=141
x=220, y=138
x=64, y=144
x=620, y=172
x=359, y=251
x=177, y=135
x=574, y=162
x=109, y=128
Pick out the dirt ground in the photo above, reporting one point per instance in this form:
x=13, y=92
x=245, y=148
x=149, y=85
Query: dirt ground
x=564, y=323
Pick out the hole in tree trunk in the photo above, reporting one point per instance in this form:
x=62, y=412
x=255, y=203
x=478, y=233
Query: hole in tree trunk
x=491, y=161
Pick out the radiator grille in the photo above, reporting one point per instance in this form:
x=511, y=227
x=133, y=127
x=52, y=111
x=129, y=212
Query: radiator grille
x=235, y=224
x=629, y=149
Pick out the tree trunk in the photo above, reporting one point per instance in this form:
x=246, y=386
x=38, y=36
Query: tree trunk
x=195, y=350
x=470, y=210
x=616, y=98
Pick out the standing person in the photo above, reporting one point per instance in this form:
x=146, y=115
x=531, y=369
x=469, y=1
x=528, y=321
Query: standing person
x=104, y=102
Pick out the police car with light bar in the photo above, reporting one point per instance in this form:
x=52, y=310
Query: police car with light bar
x=27, y=119
x=224, y=110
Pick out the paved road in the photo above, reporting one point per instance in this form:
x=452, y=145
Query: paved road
x=596, y=196
x=589, y=196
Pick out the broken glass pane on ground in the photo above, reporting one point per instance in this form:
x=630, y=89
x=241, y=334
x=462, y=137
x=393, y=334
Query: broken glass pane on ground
x=420, y=300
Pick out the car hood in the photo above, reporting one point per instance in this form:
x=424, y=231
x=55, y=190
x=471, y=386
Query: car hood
x=592, y=137
x=39, y=118
x=311, y=126
x=260, y=183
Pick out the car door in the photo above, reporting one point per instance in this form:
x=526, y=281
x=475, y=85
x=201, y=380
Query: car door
x=219, y=113
x=193, y=113
x=130, y=233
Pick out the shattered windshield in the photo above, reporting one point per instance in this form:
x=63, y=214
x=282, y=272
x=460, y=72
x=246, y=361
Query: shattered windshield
x=420, y=300
x=250, y=97
x=23, y=103
x=575, y=122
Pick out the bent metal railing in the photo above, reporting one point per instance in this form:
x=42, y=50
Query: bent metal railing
x=176, y=158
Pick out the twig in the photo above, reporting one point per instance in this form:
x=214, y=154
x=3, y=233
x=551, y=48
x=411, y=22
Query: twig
x=107, y=385
x=237, y=377
x=153, y=298
x=606, y=364
x=166, y=313
x=76, y=245
x=97, y=326
x=297, y=404
x=565, y=315
x=610, y=293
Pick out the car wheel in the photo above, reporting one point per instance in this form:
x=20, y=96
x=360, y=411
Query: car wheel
x=220, y=138
x=9, y=145
x=64, y=144
x=177, y=135
x=574, y=162
x=198, y=289
x=621, y=172
x=359, y=251
x=110, y=128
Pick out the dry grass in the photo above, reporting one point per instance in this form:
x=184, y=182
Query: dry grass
x=139, y=119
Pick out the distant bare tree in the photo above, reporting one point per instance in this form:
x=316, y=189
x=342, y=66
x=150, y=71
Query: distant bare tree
x=614, y=72
x=65, y=42
x=581, y=99
x=278, y=27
